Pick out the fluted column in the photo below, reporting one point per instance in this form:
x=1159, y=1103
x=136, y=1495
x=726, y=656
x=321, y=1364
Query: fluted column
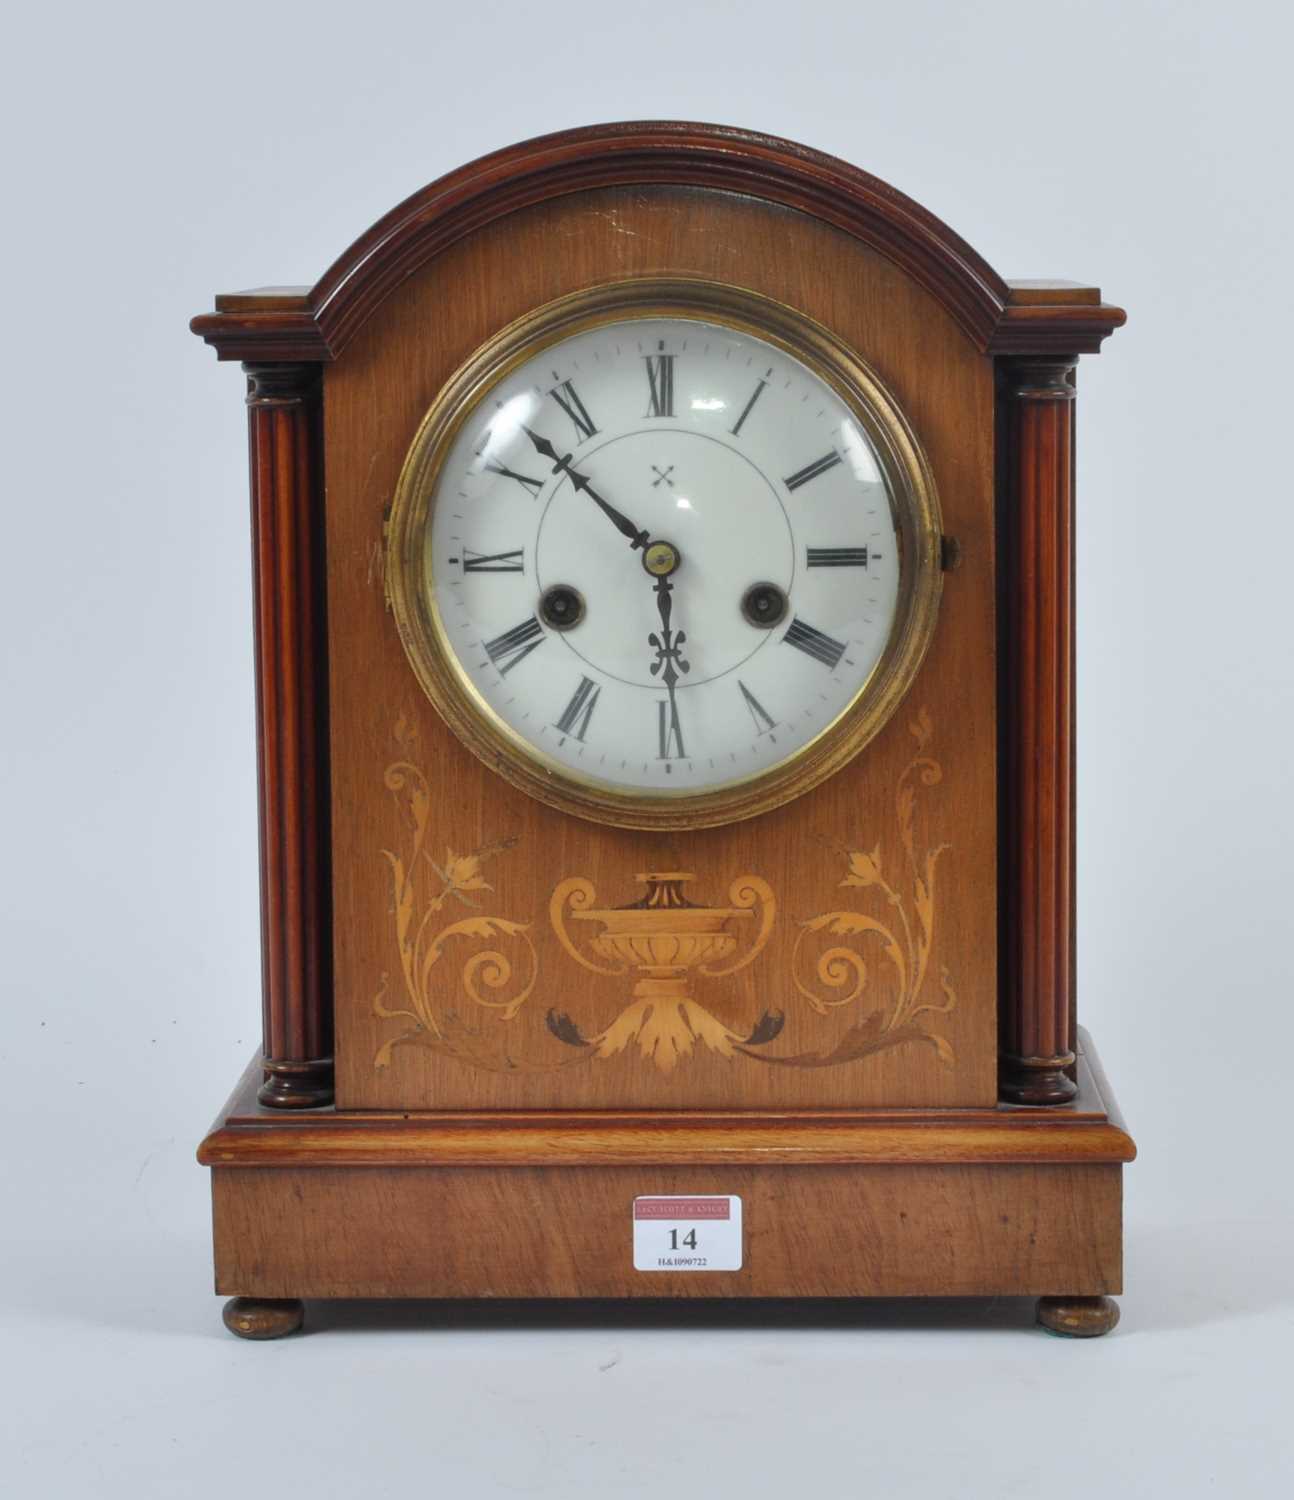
x=292, y=732
x=1037, y=726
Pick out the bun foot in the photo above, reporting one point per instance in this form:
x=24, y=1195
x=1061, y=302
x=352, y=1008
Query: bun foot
x=1078, y=1317
x=263, y=1317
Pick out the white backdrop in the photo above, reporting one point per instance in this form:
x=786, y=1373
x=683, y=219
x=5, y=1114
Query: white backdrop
x=157, y=153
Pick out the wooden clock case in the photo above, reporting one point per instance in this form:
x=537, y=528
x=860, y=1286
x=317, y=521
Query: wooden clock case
x=480, y=1127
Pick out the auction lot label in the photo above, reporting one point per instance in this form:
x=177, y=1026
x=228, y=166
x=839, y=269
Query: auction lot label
x=685, y=1233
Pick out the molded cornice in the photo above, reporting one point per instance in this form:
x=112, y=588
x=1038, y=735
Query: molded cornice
x=316, y=323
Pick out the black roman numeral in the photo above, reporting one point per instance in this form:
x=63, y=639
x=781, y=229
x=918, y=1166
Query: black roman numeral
x=837, y=557
x=811, y=471
x=815, y=644
x=514, y=645
x=565, y=396
x=533, y=485
x=493, y=562
x=671, y=731
x=660, y=382
x=746, y=410
x=577, y=713
x=763, y=719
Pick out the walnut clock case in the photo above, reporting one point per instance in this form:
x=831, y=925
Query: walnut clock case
x=663, y=543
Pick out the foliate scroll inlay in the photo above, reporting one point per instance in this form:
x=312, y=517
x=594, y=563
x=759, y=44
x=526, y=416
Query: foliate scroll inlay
x=664, y=956
x=902, y=937
x=496, y=961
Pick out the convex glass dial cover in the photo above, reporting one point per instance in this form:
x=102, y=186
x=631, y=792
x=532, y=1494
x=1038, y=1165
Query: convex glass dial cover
x=657, y=551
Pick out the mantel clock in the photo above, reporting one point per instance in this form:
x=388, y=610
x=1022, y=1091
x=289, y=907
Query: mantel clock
x=663, y=559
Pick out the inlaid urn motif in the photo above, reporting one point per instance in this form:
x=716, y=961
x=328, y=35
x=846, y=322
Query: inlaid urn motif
x=663, y=939
x=663, y=935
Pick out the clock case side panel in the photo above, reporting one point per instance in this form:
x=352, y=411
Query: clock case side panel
x=385, y=732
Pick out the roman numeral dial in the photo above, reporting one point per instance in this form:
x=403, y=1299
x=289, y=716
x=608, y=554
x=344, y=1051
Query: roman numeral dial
x=764, y=721
x=512, y=647
x=660, y=385
x=526, y=481
x=815, y=643
x=811, y=471
x=568, y=399
x=836, y=557
x=760, y=387
x=607, y=519
x=494, y=562
x=577, y=713
x=669, y=729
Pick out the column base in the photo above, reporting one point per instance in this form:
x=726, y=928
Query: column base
x=297, y=1085
x=1037, y=1080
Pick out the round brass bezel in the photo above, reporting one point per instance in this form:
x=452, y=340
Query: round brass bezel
x=909, y=484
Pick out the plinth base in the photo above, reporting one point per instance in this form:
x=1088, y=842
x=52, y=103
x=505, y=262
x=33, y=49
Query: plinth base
x=1012, y=1201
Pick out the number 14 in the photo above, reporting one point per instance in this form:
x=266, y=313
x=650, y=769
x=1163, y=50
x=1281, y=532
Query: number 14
x=689, y=1239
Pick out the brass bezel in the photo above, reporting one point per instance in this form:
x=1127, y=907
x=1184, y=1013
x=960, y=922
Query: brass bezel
x=913, y=500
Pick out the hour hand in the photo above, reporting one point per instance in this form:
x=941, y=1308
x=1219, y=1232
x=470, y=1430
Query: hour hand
x=543, y=446
x=562, y=465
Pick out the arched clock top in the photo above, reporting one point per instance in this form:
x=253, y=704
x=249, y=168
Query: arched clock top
x=998, y=316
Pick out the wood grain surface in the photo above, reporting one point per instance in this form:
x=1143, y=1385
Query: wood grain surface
x=526, y=1232
x=1007, y=1201
x=497, y=1156
x=375, y=396
x=998, y=316
x=291, y=732
x=1037, y=733
x=1089, y=1129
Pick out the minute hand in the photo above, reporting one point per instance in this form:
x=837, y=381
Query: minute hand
x=562, y=465
x=669, y=663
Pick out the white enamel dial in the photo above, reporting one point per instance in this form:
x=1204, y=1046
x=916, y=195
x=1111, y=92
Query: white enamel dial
x=607, y=450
